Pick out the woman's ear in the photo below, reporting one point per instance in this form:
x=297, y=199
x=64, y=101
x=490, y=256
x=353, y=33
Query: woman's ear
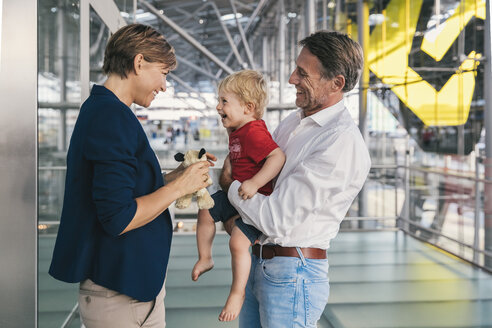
x=137, y=63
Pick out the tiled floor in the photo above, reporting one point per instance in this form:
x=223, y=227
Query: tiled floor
x=378, y=279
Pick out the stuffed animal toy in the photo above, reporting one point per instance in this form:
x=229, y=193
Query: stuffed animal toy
x=203, y=197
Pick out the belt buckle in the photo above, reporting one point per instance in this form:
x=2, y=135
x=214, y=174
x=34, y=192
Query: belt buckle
x=268, y=252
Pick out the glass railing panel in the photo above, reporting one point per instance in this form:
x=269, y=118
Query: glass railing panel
x=446, y=209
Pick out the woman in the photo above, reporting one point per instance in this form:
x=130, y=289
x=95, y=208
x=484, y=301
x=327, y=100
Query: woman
x=115, y=230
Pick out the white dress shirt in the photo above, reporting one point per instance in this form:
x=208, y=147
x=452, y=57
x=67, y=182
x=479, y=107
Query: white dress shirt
x=326, y=166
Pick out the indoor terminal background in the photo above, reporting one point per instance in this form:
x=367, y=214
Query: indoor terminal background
x=415, y=249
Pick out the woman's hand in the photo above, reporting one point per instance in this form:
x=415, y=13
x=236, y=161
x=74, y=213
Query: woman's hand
x=183, y=181
x=171, y=176
x=193, y=178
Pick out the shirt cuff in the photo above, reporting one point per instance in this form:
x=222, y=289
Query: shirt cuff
x=232, y=194
x=235, y=200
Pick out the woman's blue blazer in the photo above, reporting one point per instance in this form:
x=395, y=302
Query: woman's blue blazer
x=109, y=164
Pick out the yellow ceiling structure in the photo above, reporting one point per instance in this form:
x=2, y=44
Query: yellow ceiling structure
x=390, y=45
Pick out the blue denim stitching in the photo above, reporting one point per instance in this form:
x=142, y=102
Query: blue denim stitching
x=306, y=303
x=296, y=302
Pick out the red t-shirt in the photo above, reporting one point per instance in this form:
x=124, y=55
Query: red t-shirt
x=248, y=148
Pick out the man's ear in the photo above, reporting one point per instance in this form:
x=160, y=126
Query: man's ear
x=180, y=157
x=201, y=153
x=338, y=83
x=137, y=63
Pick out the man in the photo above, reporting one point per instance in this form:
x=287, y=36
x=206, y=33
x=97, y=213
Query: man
x=327, y=165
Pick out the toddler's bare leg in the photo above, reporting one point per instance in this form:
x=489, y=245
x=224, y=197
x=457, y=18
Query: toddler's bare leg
x=205, y=233
x=241, y=264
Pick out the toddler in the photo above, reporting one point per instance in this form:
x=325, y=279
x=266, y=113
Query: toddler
x=255, y=160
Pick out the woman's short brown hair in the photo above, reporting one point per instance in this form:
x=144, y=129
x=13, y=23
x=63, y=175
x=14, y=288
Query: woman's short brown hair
x=250, y=87
x=132, y=40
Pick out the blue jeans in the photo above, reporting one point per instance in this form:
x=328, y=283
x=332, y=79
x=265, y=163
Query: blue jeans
x=285, y=292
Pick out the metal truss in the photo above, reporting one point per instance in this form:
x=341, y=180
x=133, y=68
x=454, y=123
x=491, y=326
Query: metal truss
x=215, y=38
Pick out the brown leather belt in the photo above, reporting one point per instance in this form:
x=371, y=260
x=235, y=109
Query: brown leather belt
x=270, y=251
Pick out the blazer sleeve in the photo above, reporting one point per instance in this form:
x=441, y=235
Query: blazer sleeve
x=111, y=146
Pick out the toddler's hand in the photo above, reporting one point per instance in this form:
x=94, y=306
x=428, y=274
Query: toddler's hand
x=247, y=189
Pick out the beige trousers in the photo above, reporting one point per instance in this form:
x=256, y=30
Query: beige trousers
x=101, y=307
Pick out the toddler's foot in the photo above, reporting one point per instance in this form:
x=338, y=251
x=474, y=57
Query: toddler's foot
x=232, y=307
x=201, y=266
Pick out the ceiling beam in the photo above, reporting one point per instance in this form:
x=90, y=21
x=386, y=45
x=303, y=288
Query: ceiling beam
x=187, y=37
x=195, y=67
x=243, y=36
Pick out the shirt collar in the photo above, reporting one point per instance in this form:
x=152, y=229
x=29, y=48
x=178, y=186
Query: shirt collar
x=325, y=115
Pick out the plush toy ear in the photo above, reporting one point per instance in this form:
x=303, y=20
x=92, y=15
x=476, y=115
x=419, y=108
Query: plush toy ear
x=180, y=157
x=201, y=153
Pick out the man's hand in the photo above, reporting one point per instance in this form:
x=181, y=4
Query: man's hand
x=225, y=179
x=248, y=189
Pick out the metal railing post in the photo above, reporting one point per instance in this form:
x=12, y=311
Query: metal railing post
x=71, y=316
x=476, y=236
x=406, y=204
x=396, y=189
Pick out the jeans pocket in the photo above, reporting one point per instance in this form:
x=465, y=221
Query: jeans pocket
x=316, y=294
x=279, y=270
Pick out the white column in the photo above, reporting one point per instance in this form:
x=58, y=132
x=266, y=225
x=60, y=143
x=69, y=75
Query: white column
x=84, y=50
x=310, y=16
x=18, y=163
x=363, y=32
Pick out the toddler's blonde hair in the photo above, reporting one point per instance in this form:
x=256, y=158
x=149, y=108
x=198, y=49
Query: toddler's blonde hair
x=250, y=87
